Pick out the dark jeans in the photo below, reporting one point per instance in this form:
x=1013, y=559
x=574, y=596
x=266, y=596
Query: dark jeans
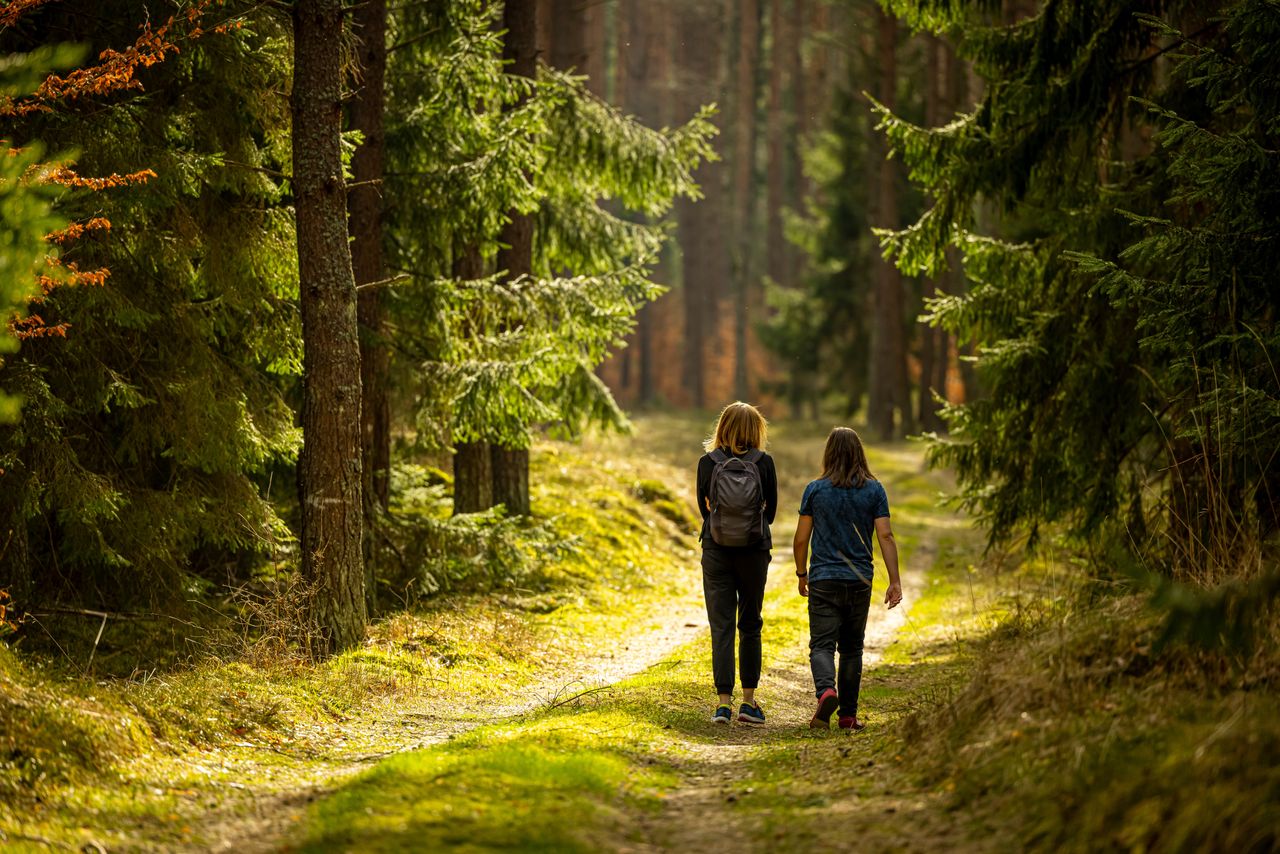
x=838, y=620
x=733, y=583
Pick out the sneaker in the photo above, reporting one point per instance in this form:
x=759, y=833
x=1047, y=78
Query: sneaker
x=722, y=716
x=848, y=722
x=827, y=702
x=750, y=714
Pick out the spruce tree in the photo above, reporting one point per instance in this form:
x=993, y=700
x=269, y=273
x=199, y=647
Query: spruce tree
x=1126, y=306
x=502, y=358
x=151, y=429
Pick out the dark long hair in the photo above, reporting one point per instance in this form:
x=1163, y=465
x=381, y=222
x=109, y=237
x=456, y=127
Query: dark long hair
x=844, y=461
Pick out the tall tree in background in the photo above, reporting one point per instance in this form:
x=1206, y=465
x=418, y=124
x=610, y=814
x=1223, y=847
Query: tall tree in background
x=515, y=255
x=887, y=388
x=748, y=73
x=365, y=205
x=700, y=70
x=933, y=341
x=645, y=92
x=780, y=129
x=329, y=471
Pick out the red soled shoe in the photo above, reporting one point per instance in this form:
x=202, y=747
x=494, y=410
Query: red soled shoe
x=851, y=723
x=827, y=702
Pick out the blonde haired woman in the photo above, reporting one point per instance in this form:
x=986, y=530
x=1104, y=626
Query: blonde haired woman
x=737, y=494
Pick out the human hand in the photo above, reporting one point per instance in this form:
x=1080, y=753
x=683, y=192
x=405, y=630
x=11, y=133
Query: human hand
x=893, y=595
x=803, y=585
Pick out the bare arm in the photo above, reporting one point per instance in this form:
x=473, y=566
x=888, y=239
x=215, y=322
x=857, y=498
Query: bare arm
x=800, y=549
x=889, y=550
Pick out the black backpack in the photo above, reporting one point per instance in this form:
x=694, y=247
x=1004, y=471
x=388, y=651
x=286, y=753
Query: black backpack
x=737, y=499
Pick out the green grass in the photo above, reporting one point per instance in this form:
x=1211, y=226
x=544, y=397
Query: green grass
x=548, y=786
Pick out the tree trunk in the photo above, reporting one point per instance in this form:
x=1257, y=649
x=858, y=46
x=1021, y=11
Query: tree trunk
x=887, y=385
x=472, y=461
x=511, y=479
x=472, y=477
x=645, y=60
x=569, y=25
x=515, y=259
x=744, y=186
x=364, y=202
x=930, y=353
x=329, y=470
x=778, y=129
x=701, y=224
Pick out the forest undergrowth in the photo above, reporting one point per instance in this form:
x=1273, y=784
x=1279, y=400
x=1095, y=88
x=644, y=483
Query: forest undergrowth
x=1021, y=703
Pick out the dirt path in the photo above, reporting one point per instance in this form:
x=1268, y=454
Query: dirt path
x=699, y=814
x=260, y=820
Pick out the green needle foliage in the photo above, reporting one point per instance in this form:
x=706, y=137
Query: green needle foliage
x=1124, y=163
x=150, y=431
x=493, y=360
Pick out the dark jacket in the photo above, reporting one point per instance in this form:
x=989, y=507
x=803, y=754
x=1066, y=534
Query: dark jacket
x=768, y=482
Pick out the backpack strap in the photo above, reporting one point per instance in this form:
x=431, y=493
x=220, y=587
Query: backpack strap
x=754, y=455
x=718, y=456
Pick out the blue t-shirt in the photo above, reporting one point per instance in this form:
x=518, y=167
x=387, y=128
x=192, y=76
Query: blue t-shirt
x=844, y=527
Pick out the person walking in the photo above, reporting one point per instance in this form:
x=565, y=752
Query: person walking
x=737, y=489
x=839, y=514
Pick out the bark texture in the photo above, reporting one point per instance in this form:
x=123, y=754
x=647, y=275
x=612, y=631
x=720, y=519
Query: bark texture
x=699, y=56
x=887, y=383
x=329, y=471
x=364, y=203
x=472, y=477
x=472, y=461
x=931, y=354
x=747, y=84
x=520, y=49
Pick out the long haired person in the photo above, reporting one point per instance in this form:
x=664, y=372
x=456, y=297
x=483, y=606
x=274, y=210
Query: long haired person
x=840, y=514
x=738, y=495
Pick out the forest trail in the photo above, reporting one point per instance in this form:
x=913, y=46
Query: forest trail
x=698, y=814
x=717, y=787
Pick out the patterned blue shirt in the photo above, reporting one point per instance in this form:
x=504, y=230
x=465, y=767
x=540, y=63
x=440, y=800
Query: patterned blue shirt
x=844, y=527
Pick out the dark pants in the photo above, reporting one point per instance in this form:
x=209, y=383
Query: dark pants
x=733, y=583
x=838, y=620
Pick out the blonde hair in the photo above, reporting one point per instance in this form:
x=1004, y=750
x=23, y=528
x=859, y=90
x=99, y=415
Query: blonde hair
x=739, y=428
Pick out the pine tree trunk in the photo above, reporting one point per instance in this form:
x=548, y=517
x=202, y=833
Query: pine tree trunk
x=364, y=202
x=472, y=477
x=778, y=128
x=520, y=49
x=935, y=98
x=645, y=59
x=569, y=43
x=744, y=186
x=887, y=383
x=511, y=479
x=329, y=470
x=472, y=461
x=702, y=223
